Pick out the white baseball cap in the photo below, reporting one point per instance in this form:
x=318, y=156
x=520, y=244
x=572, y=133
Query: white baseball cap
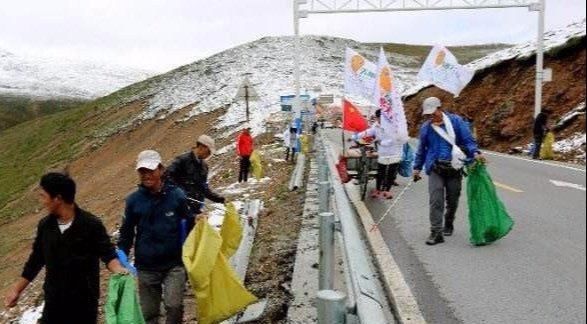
x=208, y=142
x=148, y=159
x=430, y=105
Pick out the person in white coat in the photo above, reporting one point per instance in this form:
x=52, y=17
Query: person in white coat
x=289, y=141
x=390, y=153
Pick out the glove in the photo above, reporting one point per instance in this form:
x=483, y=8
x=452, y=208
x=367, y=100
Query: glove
x=124, y=261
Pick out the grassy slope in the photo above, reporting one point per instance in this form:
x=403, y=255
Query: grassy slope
x=29, y=149
x=16, y=109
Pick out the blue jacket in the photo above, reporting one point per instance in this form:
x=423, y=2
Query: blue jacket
x=432, y=147
x=152, y=224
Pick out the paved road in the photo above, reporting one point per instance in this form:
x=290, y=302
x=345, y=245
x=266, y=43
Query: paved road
x=534, y=275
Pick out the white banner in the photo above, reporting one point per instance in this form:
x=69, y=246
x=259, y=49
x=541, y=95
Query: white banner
x=359, y=75
x=393, y=117
x=442, y=70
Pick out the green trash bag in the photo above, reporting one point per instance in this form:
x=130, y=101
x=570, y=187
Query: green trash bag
x=488, y=218
x=122, y=304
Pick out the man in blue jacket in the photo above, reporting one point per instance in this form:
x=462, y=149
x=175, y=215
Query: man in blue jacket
x=445, y=144
x=152, y=219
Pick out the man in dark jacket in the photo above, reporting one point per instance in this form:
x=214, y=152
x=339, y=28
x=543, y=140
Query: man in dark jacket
x=152, y=222
x=436, y=154
x=190, y=172
x=69, y=244
x=540, y=129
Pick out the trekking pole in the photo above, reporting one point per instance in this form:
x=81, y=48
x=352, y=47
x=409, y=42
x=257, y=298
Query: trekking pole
x=201, y=202
x=376, y=225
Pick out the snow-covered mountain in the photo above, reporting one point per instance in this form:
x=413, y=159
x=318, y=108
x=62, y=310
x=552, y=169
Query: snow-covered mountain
x=53, y=77
x=213, y=82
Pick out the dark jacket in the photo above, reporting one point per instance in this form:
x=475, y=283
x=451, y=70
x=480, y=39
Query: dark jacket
x=433, y=147
x=71, y=260
x=540, y=125
x=152, y=224
x=191, y=175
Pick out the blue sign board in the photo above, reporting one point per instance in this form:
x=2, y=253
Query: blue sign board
x=287, y=101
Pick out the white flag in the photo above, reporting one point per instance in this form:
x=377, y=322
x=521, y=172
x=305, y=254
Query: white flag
x=442, y=69
x=393, y=117
x=359, y=75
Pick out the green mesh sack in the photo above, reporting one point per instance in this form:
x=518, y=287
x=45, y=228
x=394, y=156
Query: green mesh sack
x=122, y=303
x=488, y=218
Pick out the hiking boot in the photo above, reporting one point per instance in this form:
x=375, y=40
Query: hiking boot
x=435, y=238
x=448, y=230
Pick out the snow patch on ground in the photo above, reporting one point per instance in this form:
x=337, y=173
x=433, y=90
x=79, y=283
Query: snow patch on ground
x=578, y=111
x=240, y=188
x=571, y=144
x=217, y=211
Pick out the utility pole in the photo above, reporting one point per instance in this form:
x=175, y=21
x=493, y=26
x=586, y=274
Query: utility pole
x=247, y=100
x=247, y=93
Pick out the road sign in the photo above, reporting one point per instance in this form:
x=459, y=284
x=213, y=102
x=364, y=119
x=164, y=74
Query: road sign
x=326, y=99
x=246, y=92
x=287, y=101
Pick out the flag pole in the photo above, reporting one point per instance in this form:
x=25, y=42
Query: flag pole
x=342, y=128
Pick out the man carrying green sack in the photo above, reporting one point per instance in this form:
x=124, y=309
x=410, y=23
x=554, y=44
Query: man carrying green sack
x=488, y=218
x=446, y=144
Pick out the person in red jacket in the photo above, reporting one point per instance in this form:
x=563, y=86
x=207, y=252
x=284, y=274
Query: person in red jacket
x=244, y=148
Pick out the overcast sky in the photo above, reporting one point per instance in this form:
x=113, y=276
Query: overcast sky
x=162, y=34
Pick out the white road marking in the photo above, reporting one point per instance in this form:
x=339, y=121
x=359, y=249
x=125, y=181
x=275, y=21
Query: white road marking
x=534, y=161
x=568, y=185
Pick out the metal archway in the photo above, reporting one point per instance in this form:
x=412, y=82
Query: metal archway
x=362, y=6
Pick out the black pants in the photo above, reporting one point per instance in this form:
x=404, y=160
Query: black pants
x=245, y=165
x=70, y=312
x=537, y=146
x=287, y=154
x=445, y=191
x=386, y=175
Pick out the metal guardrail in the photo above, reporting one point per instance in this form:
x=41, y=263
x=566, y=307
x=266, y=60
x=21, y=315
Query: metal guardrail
x=366, y=302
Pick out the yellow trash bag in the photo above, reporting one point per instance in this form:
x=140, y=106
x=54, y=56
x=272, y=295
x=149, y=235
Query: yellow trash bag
x=218, y=291
x=305, y=144
x=256, y=165
x=231, y=231
x=546, y=152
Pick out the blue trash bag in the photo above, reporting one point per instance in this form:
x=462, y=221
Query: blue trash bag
x=406, y=166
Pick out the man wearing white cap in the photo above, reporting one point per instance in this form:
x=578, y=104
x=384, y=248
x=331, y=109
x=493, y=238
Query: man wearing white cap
x=151, y=224
x=446, y=143
x=190, y=172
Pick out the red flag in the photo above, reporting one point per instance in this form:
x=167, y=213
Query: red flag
x=352, y=119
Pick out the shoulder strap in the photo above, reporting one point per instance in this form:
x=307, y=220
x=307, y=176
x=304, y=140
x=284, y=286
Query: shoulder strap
x=443, y=134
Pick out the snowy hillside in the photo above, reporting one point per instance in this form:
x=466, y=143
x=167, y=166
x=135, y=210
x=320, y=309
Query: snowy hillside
x=212, y=83
x=51, y=77
x=552, y=40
